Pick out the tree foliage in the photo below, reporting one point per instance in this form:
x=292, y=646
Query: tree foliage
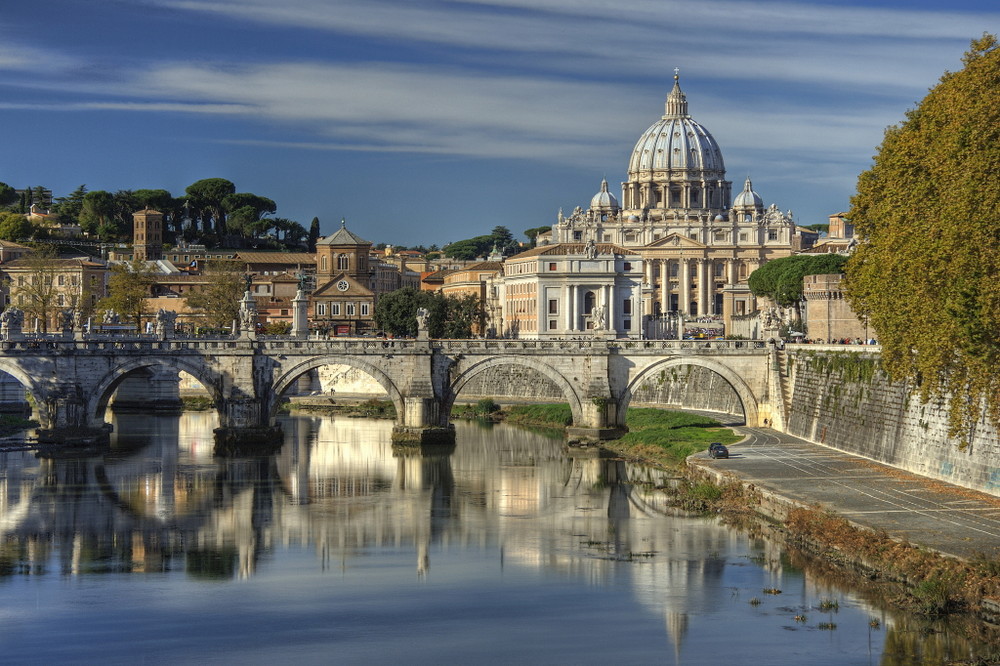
x=128, y=287
x=14, y=226
x=38, y=296
x=219, y=301
x=926, y=273
x=781, y=279
x=448, y=317
x=8, y=195
x=481, y=246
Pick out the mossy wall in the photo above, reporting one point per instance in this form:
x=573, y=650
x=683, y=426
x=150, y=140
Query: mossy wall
x=689, y=386
x=844, y=400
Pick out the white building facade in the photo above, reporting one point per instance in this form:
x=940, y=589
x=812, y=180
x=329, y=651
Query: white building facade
x=573, y=289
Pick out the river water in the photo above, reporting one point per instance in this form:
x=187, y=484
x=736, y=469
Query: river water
x=506, y=549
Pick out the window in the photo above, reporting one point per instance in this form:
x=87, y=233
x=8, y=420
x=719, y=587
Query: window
x=61, y=300
x=343, y=262
x=552, y=265
x=577, y=235
x=62, y=281
x=627, y=266
x=772, y=235
x=350, y=309
x=364, y=309
x=321, y=309
x=720, y=235
x=552, y=324
x=284, y=313
x=743, y=236
x=627, y=324
x=588, y=303
x=335, y=309
x=627, y=306
x=553, y=306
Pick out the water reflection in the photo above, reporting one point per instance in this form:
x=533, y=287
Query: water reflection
x=579, y=537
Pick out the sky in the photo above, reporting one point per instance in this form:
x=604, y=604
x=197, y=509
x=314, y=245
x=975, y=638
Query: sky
x=431, y=121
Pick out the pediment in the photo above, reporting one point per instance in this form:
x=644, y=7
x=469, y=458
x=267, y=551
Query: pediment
x=677, y=241
x=334, y=286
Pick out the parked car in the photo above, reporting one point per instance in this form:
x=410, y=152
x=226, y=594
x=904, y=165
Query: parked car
x=717, y=450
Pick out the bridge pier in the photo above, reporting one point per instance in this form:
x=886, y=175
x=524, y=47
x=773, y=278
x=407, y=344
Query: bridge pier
x=64, y=419
x=599, y=423
x=245, y=427
x=420, y=423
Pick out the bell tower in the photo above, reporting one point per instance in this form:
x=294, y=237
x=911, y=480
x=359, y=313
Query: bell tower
x=147, y=239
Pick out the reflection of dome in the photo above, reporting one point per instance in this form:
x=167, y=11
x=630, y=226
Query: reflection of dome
x=748, y=198
x=604, y=200
x=676, y=142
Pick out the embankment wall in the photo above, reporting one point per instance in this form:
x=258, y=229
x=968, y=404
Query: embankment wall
x=840, y=397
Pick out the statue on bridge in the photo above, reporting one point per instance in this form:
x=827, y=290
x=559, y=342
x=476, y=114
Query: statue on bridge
x=422, y=315
x=165, y=323
x=11, y=322
x=67, y=320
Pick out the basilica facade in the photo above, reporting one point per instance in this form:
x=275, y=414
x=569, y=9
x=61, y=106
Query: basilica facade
x=697, y=242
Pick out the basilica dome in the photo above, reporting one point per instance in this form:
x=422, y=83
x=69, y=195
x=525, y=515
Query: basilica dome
x=748, y=198
x=676, y=142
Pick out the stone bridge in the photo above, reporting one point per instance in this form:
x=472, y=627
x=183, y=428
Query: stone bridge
x=71, y=380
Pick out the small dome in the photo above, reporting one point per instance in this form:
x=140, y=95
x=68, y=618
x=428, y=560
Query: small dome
x=719, y=218
x=748, y=198
x=604, y=201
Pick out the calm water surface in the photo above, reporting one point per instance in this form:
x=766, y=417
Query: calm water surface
x=338, y=550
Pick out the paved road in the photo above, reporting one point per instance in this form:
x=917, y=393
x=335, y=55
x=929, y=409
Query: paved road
x=926, y=512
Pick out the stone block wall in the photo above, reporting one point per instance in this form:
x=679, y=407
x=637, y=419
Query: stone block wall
x=841, y=398
x=688, y=386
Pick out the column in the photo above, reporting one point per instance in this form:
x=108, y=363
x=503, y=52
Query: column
x=732, y=271
x=664, y=285
x=609, y=299
x=684, y=298
x=702, y=287
x=647, y=269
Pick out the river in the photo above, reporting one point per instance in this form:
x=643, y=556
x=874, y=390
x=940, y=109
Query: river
x=338, y=549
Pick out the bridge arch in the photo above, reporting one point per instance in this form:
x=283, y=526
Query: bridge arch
x=467, y=374
x=97, y=403
x=29, y=382
x=292, y=374
x=743, y=391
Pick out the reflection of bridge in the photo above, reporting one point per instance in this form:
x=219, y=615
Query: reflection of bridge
x=72, y=380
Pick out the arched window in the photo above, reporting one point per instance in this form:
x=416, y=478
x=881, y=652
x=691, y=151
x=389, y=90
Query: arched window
x=323, y=263
x=343, y=262
x=588, y=302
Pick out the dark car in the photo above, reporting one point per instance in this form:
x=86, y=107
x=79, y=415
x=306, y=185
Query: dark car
x=717, y=450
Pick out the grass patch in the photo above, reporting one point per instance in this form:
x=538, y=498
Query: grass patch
x=557, y=415
x=667, y=437
x=197, y=403
x=10, y=423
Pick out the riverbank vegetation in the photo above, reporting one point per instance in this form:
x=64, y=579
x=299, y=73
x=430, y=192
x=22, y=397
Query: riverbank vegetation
x=10, y=424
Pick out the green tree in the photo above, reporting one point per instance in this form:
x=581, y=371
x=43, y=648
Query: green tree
x=128, y=288
x=205, y=198
x=8, y=195
x=781, y=279
x=219, y=301
x=38, y=296
x=470, y=248
x=14, y=226
x=68, y=208
x=96, y=214
x=448, y=317
x=926, y=270
x=313, y=234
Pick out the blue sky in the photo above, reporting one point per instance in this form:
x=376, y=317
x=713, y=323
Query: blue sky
x=429, y=121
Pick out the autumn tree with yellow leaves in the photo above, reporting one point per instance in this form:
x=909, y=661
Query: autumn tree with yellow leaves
x=927, y=272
